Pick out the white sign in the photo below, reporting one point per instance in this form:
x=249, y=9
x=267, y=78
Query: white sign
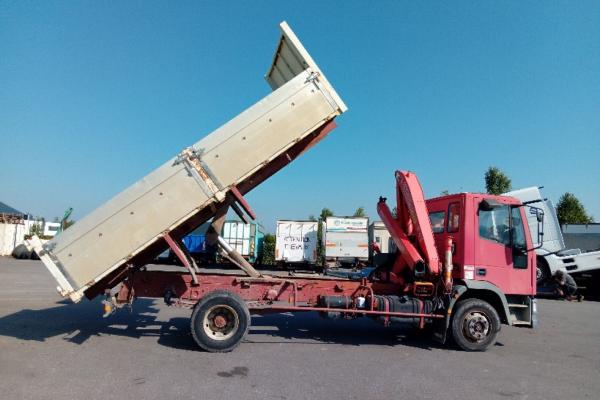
x=337, y=224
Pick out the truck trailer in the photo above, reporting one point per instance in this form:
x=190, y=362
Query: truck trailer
x=346, y=241
x=296, y=242
x=245, y=238
x=463, y=283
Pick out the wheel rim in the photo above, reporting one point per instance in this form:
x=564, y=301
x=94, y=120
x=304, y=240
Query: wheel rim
x=539, y=273
x=476, y=326
x=220, y=322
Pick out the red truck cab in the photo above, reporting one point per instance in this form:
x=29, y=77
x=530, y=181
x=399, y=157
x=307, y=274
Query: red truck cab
x=491, y=243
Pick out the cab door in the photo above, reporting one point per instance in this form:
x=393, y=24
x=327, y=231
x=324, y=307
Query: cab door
x=500, y=247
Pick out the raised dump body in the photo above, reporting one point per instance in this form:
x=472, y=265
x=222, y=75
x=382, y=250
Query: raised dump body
x=193, y=186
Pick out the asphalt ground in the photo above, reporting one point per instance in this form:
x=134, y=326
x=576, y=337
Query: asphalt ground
x=51, y=349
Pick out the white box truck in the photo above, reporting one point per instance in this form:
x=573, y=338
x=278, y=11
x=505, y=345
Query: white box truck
x=296, y=242
x=346, y=240
x=553, y=254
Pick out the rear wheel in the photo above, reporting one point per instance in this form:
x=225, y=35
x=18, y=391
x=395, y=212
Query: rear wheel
x=220, y=321
x=475, y=325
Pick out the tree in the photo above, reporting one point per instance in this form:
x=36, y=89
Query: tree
x=267, y=255
x=37, y=229
x=360, y=212
x=570, y=210
x=496, y=182
x=444, y=192
x=312, y=218
x=325, y=212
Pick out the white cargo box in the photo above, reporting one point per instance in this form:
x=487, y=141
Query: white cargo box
x=296, y=241
x=186, y=190
x=346, y=237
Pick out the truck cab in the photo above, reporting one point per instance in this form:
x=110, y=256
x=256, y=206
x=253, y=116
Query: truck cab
x=490, y=240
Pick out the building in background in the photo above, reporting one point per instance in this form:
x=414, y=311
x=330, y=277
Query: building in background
x=13, y=228
x=582, y=236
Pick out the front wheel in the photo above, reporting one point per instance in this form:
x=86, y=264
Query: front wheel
x=475, y=325
x=542, y=271
x=220, y=321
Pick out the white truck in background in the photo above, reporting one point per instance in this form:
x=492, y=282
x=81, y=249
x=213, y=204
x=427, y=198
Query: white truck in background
x=296, y=242
x=553, y=254
x=346, y=240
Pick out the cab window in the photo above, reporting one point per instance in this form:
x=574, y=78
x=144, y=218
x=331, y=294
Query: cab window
x=437, y=221
x=453, y=217
x=518, y=229
x=494, y=225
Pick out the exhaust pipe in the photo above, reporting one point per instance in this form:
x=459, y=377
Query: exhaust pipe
x=448, y=266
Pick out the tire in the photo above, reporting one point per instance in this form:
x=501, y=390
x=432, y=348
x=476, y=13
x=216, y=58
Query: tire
x=220, y=321
x=542, y=270
x=475, y=325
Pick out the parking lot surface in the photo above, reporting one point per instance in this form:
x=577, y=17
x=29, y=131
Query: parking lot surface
x=52, y=349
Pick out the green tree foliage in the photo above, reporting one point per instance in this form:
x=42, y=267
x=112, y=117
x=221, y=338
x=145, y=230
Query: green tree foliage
x=37, y=229
x=325, y=212
x=570, y=210
x=268, y=250
x=496, y=182
x=312, y=218
x=360, y=212
x=444, y=192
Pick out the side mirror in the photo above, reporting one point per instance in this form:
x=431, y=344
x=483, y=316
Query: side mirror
x=540, y=216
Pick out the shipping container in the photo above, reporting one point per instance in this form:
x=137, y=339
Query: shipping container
x=246, y=239
x=346, y=240
x=296, y=241
x=194, y=242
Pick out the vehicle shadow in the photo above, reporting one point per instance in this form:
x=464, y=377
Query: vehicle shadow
x=77, y=323
x=310, y=328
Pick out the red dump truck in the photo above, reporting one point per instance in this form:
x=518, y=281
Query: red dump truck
x=464, y=263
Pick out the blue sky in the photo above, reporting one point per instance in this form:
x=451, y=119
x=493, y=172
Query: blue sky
x=94, y=95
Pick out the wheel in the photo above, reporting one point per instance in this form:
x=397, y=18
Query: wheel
x=542, y=271
x=220, y=321
x=475, y=325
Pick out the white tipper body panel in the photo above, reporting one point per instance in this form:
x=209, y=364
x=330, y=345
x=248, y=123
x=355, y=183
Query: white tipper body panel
x=131, y=221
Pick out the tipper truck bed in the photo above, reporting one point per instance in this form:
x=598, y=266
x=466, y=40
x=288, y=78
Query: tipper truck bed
x=188, y=189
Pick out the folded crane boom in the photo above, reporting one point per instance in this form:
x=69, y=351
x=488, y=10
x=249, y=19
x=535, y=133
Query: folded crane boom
x=410, y=228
